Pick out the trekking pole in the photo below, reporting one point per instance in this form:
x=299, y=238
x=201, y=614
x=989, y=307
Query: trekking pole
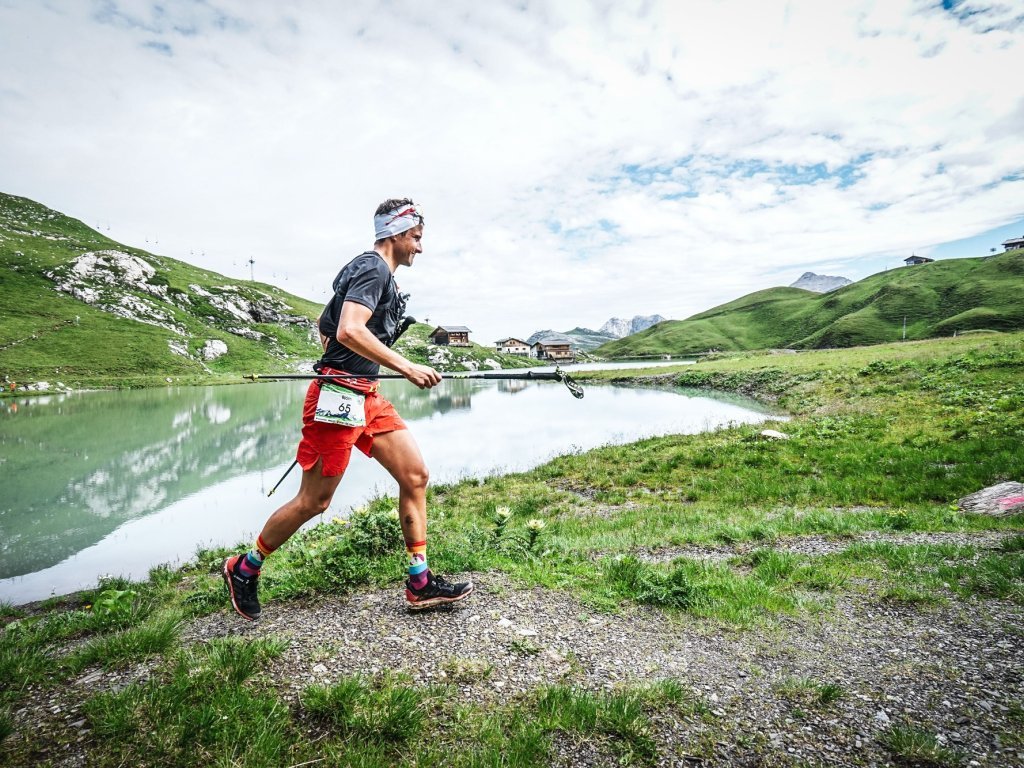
x=557, y=375
x=286, y=473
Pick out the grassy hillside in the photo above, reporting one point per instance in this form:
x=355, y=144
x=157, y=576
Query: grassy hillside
x=55, y=336
x=937, y=299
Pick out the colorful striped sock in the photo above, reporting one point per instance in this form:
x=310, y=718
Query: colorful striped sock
x=419, y=573
x=250, y=565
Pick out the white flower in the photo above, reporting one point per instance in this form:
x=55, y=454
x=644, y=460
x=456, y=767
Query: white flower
x=535, y=524
x=503, y=513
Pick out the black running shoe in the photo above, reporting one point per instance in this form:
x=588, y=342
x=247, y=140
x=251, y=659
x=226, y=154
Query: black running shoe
x=241, y=589
x=436, y=591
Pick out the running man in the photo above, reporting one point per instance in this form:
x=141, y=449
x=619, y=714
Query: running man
x=357, y=328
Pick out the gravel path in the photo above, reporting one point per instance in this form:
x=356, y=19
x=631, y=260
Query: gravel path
x=956, y=670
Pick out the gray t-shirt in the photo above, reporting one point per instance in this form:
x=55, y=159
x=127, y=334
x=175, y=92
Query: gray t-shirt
x=366, y=280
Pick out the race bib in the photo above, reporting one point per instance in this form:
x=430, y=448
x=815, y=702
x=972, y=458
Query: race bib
x=338, y=405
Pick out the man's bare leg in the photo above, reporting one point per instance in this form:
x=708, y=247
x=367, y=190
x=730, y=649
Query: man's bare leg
x=314, y=497
x=398, y=453
x=242, y=571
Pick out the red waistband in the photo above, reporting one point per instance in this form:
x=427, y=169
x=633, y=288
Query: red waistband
x=363, y=385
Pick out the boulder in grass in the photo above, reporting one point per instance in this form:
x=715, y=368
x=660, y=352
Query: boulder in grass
x=773, y=434
x=997, y=500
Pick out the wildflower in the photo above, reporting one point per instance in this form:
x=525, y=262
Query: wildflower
x=533, y=527
x=502, y=514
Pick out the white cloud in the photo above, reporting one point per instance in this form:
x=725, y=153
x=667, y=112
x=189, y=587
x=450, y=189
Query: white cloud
x=576, y=160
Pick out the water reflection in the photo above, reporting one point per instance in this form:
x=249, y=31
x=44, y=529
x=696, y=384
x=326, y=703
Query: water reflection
x=78, y=466
x=116, y=482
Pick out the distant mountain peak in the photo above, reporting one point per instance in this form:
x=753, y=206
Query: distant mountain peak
x=820, y=283
x=620, y=328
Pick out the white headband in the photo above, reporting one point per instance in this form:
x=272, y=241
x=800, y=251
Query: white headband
x=397, y=222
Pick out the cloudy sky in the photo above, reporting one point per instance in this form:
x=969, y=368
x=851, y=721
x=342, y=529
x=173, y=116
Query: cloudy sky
x=576, y=160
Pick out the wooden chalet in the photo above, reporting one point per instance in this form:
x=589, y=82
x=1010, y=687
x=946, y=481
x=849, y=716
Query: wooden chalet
x=557, y=351
x=512, y=346
x=451, y=336
x=912, y=260
x=1013, y=243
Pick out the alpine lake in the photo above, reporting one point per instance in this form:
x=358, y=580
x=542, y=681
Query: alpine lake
x=114, y=483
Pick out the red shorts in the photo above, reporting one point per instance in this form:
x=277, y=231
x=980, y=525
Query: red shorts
x=333, y=442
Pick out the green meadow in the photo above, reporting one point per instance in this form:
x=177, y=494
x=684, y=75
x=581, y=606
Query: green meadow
x=882, y=440
x=943, y=298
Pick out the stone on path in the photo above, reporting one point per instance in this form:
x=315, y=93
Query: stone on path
x=997, y=500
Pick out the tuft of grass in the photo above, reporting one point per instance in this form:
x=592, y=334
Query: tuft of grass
x=996, y=575
x=914, y=746
x=703, y=589
x=830, y=692
x=155, y=637
x=1013, y=543
x=6, y=725
x=524, y=647
x=623, y=715
x=194, y=711
x=810, y=692
x=618, y=715
x=22, y=665
x=905, y=595
x=389, y=713
x=236, y=660
x=462, y=670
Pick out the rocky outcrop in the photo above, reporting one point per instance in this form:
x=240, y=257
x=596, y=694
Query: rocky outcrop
x=128, y=286
x=112, y=281
x=620, y=328
x=214, y=348
x=819, y=283
x=245, y=305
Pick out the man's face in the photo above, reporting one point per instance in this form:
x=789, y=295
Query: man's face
x=407, y=245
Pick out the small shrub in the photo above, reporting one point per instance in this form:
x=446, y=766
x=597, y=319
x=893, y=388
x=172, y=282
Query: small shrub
x=114, y=605
x=673, y=588
x=375, y=532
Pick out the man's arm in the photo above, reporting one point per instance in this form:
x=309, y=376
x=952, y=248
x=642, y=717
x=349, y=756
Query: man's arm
x=353, y=333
